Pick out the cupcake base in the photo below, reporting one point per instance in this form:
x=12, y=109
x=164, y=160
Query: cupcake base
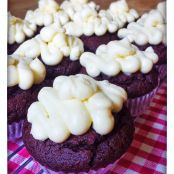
x=15, y=130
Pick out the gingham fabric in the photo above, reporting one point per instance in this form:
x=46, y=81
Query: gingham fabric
x=146, y=155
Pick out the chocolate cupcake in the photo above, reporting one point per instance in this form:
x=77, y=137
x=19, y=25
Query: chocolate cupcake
x=19, y=30
x=58, y=51
x=96, y=27
x=123, y=64
x=27, y=74
x=78, y=125
x=150, y=30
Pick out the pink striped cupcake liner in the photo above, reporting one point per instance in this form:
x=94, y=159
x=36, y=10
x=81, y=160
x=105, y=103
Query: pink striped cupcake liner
x=15, y=130
x=138, y=105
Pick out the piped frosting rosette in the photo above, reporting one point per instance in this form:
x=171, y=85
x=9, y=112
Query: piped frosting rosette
x=118, y=56
x=48, y=12
x=19, y=29
x=52, y=44
x=71, y=7
x=150, y=28
x=24, y=72
x=72, y=106
x=88, y=20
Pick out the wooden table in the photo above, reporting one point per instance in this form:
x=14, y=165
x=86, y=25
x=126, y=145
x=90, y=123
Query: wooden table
x=19, y=7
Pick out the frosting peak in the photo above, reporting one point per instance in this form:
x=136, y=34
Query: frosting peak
x=44, y=14
x=72, y=105
x=19, y=29
x=150, y=28
x=25, y=72
x=118, y=56
x=56, y=44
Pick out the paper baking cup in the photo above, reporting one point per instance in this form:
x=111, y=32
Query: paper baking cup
x=99, y=171
x=162, y=70
x=138, y=105
x=15, y=130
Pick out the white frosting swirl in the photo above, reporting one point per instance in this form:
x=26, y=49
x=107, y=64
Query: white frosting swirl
x=25, y=72
x=71, y=7
x=161, y=7
x=30, y=48
x=52, y=44
x=19, y=29
x=150, y=28
x=56, y=44
x=118, y=56
x=89, y=21
x=44, y=14
x=72, y=106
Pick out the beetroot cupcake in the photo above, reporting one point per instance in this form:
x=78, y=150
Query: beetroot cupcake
x=150, y=30
x=78, y=125
x=123, y=64
x=58, y=51
x=96, y=27
x=24, y=78
x=18, y=31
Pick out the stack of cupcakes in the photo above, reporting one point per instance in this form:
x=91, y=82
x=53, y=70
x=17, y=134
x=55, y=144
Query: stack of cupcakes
x=77, y=75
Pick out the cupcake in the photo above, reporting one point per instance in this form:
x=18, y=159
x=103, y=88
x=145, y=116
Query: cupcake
x=78, y=125
x=58, y=51
x=96, y=27
x=123, y=64
x=19, y=30
x=150, y=30
x=24, y=78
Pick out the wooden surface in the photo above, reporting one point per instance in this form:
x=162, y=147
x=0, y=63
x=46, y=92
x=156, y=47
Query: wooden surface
x=19, y=7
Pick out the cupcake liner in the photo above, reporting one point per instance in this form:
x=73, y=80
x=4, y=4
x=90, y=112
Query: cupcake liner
x=138, y=105
x=98, y=171
x=162, y=70
x=15, y=130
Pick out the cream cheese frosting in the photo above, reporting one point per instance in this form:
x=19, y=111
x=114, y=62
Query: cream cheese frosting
x=161, y=7
x=88, y=21
x=53, y=45
x=44, y=14
x=116, y=57
x=19, y=29
x=29, y=48
x=24, y=72
x=71, y=7
x=150, y=28
x=56, y=44
x=72, y=106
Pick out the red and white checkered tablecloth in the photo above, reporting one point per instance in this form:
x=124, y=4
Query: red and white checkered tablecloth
x=147, y=154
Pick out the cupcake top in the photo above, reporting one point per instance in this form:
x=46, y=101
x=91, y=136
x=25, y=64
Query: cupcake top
x=118, y=56
x=88, y=20
x=52, y=44
x=44, y=14
x=19, y=29
x=150, y=28
x=72, y=106
x=25, y=72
